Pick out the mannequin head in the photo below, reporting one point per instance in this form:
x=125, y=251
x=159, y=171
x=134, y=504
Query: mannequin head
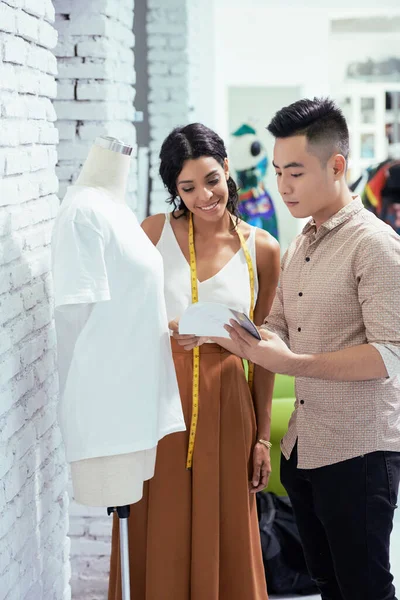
x=107, y=166
x=195, y=170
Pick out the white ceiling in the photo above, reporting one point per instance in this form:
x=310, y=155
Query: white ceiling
x=336, y=8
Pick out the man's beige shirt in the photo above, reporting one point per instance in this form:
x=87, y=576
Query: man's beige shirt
x=340, y=287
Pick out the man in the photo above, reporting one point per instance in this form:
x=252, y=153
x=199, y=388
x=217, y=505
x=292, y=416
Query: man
x=335, y=326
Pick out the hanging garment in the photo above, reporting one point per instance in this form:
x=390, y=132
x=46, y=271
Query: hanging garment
x=120, y=393
x=381, y=194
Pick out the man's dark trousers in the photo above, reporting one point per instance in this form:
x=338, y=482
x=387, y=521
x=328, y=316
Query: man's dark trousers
x=344, y=513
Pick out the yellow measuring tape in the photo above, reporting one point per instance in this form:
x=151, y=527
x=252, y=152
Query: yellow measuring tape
x=196, y=351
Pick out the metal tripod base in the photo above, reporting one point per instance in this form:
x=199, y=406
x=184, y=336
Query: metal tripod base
x=123, y=514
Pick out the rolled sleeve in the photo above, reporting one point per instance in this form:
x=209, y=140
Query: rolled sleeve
x=391, y=357
x=379, y=295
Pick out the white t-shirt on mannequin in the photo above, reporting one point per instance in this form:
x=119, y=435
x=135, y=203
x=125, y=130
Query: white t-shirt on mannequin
x=119, y=392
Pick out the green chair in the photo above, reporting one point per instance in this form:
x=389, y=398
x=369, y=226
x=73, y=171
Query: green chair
x=284, y=386
x=282, y=407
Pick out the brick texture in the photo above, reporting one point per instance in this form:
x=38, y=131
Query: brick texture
x=181, y=75
x=34, y=548
x=96, y=81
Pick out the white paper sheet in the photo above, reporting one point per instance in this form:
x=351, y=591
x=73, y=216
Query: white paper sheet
x=208, y=319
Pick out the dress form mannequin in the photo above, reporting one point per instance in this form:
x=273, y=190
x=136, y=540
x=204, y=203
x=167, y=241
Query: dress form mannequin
x=107, y=166
x=115, y=480
x=118, y=389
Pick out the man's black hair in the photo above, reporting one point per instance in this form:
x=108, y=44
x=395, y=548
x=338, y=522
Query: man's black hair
x=320, y=120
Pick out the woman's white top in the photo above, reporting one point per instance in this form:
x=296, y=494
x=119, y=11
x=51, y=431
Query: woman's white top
x=230, y=286
x=119, y=392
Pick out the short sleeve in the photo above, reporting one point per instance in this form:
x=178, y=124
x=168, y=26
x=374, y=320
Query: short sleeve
x=79, y=267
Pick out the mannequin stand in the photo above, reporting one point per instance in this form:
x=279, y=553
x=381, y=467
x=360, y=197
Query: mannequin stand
x=123, y=513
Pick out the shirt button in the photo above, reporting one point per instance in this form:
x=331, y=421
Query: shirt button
x=300, y=293
x=301, y=401
x=299, y=329
x=308, y=259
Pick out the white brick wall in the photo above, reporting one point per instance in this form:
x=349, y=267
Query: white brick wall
x=96, y=78
x=168, y=81
x=181, y=76
x=33, y=501
x=90, y=534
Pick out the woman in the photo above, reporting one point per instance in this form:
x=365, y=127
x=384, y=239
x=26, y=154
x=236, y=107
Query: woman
x=194, y=535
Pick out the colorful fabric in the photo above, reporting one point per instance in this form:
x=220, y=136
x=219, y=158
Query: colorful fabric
x=257, y=209
x=251, y=162
x=381, y=194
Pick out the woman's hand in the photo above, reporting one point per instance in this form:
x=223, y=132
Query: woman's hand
x=261, y=468
x=187, y=341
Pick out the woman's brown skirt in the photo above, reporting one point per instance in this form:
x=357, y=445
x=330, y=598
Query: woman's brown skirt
x=194, y=535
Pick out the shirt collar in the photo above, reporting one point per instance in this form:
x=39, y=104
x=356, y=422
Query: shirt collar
x=343, y=215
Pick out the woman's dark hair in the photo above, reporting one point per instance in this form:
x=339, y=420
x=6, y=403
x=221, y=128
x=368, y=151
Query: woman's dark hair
x=320, y=120
x=191, y=142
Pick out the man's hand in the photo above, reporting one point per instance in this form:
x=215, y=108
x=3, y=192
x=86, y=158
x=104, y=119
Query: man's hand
x=187, y=341
x=270, y=352
x=261, y=468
